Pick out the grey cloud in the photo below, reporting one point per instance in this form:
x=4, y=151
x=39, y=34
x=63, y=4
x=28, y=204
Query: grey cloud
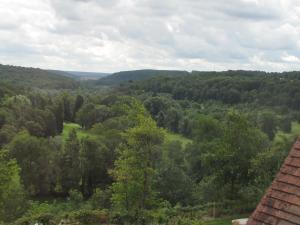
x=251, y=10
x=101, y=35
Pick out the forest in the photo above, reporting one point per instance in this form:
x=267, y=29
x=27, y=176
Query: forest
x=151, y=147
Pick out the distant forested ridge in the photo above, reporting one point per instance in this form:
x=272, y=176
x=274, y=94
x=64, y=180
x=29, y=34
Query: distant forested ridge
x=80, y=75
x=230, y=87
x=34, y=78
x=152, y=147
x=128, y=76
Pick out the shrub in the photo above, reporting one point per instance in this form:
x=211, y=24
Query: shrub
x=45, y=219
x=100, y=199
x=86, y=217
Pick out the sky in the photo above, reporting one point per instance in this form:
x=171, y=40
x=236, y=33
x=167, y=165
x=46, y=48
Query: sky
x=115, y=35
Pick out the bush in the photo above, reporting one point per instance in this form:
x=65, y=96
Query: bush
x=184, y=221
x=100, y=199
x=86, y=217
x=45, y=219
x=75, y=198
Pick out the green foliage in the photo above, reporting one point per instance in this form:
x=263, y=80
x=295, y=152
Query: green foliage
x=46, y=218
x=67, y=212
x=78, y=104
x=36, y=160
x=94, y=158
x=223, y=162
x=70, y=163
x=7, y=133
x=171, y=137
x=206, y=129
x=86, y=217
x=75, y=198
x=133, y=195
x=100, y=199
x=175, y=185
x=266, y=164
x=90, y=114
x=269, y=124
x=12, y=195
x=230, y=159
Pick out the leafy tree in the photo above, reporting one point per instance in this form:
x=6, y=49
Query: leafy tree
x=3, y=119
x=156, y=104
x=94, y=160
x=34, y=128
x=12, y=195
x=172, y=119
x=78, y=104
x=206, y=128
x=101, y=199
x=173, y=183
x=7, y=133
x=286, y=124
x=186, y=126
x=50, y=126
x=266, y=164
x=230, y=158
x=161, y=119
x=268, y=124
x=35, y=159
x=70, y=163
x=91, y=114
x=58, y=111
x=68, y=109
x=133, y=194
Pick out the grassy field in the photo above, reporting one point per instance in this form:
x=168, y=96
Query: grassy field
x=82, y=133
x=74, y=126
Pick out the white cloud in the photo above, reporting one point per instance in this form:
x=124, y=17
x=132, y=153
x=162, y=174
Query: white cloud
x=290, y=58
x=101, y=35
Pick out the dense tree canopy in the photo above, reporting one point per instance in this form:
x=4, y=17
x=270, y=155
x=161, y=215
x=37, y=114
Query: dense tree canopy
x=161, y=149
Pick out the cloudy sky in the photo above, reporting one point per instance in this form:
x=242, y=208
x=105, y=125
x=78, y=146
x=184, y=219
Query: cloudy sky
x=114, y=35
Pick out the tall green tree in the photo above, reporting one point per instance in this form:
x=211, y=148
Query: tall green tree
x=68, y=109
x=173, y=183
x=58, y=111
x=12, y=195
x=229, y=161
x=268, y=123
x=133, y=194
x=78, y=103
x=70, y=163
x=93, y=160
x=35, y=159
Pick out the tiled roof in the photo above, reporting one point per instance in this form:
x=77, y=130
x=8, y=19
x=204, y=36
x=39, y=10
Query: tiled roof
x=281, y=203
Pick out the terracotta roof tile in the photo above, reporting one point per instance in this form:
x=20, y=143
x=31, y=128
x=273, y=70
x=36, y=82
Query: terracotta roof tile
x=281, y=203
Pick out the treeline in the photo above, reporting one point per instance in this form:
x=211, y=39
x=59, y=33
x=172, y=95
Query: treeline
x=231, y=87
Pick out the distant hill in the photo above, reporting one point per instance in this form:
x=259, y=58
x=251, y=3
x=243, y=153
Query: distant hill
x=33, y=77
x=129, y=76
x=80, y=75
